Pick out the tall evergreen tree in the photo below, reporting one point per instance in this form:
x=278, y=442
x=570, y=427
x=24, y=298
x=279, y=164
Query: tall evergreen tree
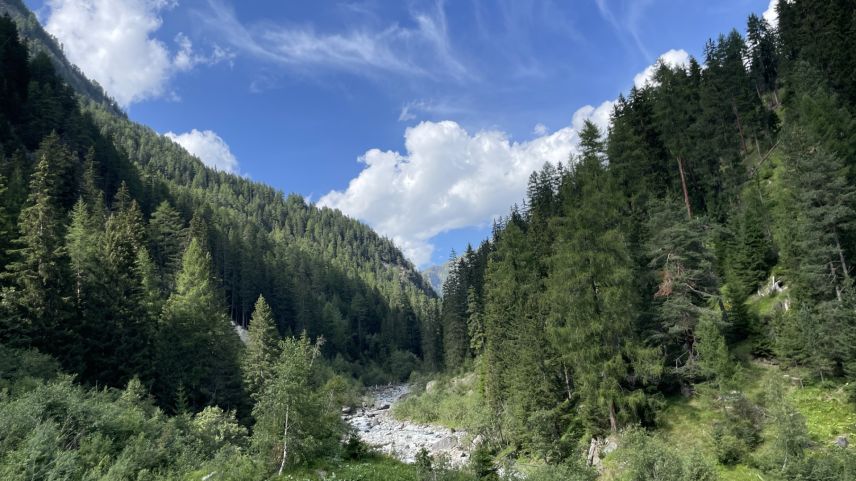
x=197, y=349
x=167, y=240
x=591, y=292
x=40, y=270
x=262, y=350
x=687, y=283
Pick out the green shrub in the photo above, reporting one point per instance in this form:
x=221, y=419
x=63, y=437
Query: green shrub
x=649, y=458
x=563, y=472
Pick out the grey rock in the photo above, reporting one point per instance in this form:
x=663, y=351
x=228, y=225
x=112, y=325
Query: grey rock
x=448, y=442
x=842, y=442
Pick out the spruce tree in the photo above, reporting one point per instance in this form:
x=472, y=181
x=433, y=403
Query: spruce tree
x=197, y=348
x=592, y=293
x=262, y=350
x=40, y=269
x=167, y=240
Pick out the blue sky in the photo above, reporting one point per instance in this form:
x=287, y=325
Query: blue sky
x=422, y=118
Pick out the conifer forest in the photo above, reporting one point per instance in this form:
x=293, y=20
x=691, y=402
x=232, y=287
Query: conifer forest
x=674, y=301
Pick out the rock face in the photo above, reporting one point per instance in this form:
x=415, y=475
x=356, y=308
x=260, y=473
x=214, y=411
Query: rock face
x=376, y=427
x=599, y=448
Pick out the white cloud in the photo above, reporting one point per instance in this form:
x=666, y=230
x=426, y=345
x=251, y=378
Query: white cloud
x=771, y=15
x=540, y=129
x=113, y=42
x=186, y=58
x=448, y=178
x=209, y=147
x=672, y=58
x=421, y=50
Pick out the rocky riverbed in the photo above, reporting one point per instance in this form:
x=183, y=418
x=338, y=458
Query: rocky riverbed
x=403, y=439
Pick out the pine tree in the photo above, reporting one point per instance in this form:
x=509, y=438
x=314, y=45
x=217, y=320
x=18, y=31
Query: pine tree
x=713, y=358
x=816, y=213
x=7, y=223
x=763, y=58
x=687, y=282
x=751, y=249
x=817, y=210
x=262, y=350
x=456, y=343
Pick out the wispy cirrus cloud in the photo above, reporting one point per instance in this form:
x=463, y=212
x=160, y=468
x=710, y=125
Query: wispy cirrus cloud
x=422, y=49
x=627, y=22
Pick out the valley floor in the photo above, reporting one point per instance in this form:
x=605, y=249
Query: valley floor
x=686, y=424
x=403, y=438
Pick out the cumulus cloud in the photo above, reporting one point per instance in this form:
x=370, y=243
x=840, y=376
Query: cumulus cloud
x=113, y=42
x=771, y=15
x=209, y=147
x=540, y=129
x=448, y=178
x=421, y=50
x=672, y=58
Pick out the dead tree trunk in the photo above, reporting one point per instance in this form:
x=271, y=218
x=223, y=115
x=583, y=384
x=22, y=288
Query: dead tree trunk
x=284, y=442
x=841, y=257
x=613, y=422
x=684, y=187
x=739, y=125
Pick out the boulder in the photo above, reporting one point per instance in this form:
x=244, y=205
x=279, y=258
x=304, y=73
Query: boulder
x=842, y=442
x=383, y=406
x=431, y=386
x=347, y=410
x=445, y=443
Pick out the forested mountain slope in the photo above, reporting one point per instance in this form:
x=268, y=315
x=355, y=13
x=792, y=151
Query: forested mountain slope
x=124, y=203
x=642, y=269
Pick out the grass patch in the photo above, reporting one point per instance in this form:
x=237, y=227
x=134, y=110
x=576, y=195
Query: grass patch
x=451, y=402
x=827, y=412
x=740, y=473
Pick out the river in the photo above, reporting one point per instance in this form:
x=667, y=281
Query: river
x=404, y=439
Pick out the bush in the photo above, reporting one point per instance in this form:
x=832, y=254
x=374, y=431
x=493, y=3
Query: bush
x=648, y=458
x=825, y=464
x=482, y=465
x=563, y=472
x=739, y=432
